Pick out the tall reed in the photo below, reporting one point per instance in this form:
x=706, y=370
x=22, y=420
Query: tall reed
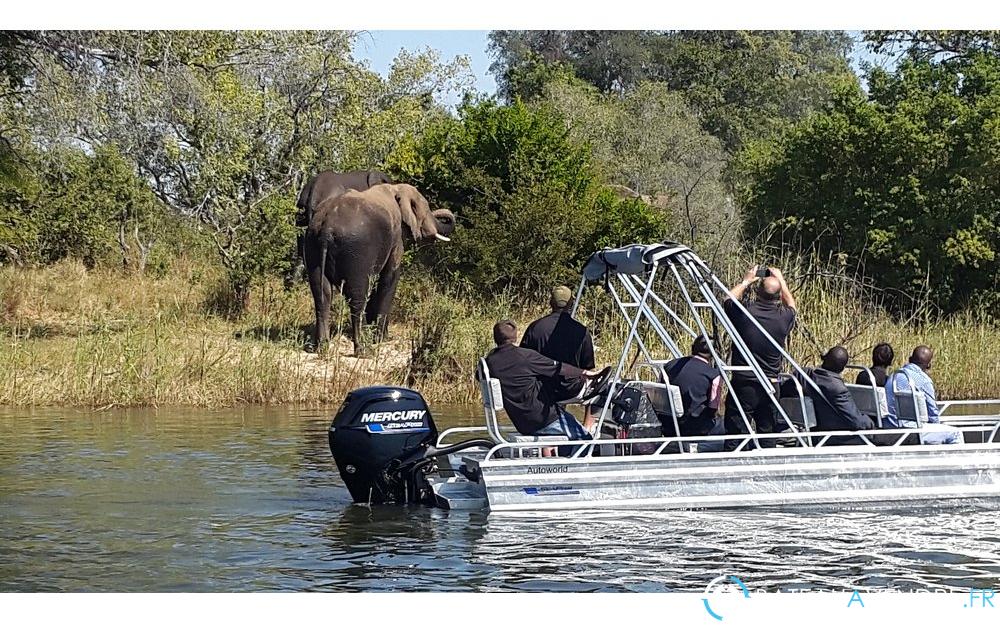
x=101, y=338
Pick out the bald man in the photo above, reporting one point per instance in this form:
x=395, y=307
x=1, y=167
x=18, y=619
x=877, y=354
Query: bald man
x=773, y=309
x=917, y=371
x=833, y=403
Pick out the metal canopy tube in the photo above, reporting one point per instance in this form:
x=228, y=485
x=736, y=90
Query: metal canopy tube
x=623, y=306
x=579, y=294
x=765, y=382
x=716, y=356
x=670, y=311
x=784, y=354
x=654, y=321
x=625, y=349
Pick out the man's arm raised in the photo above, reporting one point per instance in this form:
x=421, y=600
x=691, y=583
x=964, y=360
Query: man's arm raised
x=737, y=291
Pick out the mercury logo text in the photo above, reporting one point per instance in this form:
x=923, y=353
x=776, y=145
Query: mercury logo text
x=399, y=415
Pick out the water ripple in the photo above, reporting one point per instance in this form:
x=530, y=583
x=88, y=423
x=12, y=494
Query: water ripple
x=250, y=500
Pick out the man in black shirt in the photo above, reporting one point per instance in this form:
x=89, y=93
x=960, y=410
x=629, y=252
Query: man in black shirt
x=528, y=400
x=774, y=309
x=701, y=389
x=882, y=356
x=834, y=405
x=562, y=338
x=558, y=335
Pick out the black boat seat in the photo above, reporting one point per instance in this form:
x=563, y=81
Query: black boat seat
x=793, y=408
x=870, y=400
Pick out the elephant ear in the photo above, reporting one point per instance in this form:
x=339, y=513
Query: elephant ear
x=406, y=199
x=377, y=177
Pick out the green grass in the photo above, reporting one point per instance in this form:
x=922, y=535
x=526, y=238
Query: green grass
x=102, y=338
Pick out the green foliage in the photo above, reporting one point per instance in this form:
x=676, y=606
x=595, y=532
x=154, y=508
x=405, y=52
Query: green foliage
x=650, y=142
x=92, y=206
x=224, y=126
x=18, y=230
x=905, y=178
x=530, y=204
x=744, y=85
x=942, y=45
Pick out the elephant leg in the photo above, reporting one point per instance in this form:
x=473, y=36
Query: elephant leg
x=322, y=294
x=380, y=304
x=356, y=291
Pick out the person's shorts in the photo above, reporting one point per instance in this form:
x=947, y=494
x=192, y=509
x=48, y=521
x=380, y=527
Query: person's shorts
x=566, y=425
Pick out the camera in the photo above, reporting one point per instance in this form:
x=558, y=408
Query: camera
x=763, y=272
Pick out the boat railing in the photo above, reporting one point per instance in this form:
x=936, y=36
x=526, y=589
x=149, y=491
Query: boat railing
x=474, y=429
x=945, y=404
x=887, y=439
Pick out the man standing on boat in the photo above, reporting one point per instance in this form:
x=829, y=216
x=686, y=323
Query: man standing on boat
x=562, y=338
x=773, y=309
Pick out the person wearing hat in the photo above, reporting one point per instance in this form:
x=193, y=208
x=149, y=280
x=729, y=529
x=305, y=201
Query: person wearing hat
x=562, y=338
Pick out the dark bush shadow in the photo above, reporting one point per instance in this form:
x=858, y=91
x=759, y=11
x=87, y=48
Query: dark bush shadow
x=301, y=335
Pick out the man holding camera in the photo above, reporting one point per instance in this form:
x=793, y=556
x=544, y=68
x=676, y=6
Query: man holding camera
x=773, y=308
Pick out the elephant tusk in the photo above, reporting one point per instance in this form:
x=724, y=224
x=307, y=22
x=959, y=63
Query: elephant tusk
x=441, y=237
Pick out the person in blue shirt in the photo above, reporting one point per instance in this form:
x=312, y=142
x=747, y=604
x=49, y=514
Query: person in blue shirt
x=916, y=370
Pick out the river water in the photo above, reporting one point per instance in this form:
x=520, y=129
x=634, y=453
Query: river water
x=250, y=500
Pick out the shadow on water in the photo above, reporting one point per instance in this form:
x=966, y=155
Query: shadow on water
x=249, y=499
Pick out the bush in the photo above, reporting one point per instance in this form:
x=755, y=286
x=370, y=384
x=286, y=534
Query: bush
x=530, y=204
x=904, y=178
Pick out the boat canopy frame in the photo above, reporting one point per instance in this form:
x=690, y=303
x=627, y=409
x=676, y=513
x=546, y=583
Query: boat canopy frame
x=630, y=276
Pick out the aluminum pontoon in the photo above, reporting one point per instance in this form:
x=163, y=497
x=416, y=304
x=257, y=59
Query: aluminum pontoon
x=388, y=450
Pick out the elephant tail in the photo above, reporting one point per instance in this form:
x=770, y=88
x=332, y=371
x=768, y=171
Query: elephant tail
x=322, y=258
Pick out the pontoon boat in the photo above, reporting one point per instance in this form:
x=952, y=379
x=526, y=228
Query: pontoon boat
x=388, y=449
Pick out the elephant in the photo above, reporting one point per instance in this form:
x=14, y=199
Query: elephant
x=359, y=235
x=320, y=187
x=327, y=184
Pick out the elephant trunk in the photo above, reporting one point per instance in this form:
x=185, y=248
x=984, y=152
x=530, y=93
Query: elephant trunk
x=444, y=221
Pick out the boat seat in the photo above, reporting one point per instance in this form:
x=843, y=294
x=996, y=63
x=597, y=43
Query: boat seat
x=911, y=403
x=911, y=406
x=793, y=408
x=666, y=400
x=489, y=387
x=870, y=401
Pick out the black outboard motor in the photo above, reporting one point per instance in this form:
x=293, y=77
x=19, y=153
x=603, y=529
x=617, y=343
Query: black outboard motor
x=380, y=440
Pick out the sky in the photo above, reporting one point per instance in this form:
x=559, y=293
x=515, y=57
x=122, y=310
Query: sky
x=380, y=47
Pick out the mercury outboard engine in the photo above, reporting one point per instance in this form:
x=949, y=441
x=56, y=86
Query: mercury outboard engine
x=380, y=440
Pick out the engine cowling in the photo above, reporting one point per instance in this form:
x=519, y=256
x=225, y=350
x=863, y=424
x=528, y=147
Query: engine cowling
x=377, y=437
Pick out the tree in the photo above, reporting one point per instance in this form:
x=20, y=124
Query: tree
x=614, y=61
x=744, y=84
x=650, y=142
x=940, y=45
x=225, y=125
x=904, y=178
x=531, y=206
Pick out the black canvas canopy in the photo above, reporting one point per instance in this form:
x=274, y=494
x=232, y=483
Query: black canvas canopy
x=631, y=259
